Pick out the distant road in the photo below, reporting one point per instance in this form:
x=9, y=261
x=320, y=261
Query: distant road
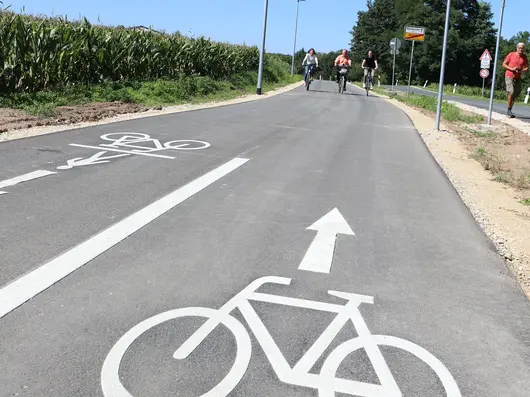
x=521, y=111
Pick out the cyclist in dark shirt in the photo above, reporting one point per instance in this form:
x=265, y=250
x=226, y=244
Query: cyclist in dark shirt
x=369, y=63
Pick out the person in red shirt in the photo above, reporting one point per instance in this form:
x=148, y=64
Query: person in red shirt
x=515, y=64
x=342, y=60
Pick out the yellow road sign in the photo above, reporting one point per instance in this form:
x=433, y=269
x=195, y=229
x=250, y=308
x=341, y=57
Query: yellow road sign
x=414, y=33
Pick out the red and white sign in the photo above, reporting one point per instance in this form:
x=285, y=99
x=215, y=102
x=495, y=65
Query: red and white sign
x=486, y=56
x=484, y=73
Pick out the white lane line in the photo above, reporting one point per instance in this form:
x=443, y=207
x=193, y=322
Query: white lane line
x=33, y=283
x=25, y=178
x=123, y=151
x=3, y=192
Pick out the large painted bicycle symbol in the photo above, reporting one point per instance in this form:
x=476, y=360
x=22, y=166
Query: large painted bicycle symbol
x=140, y=142
x=326, y=382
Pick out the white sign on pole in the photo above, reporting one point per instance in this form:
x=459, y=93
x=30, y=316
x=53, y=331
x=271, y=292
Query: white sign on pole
x=395, y=42
x=485, y=64
x=395, y=45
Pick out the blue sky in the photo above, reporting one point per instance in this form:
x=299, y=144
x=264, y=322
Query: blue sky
x=323, y=24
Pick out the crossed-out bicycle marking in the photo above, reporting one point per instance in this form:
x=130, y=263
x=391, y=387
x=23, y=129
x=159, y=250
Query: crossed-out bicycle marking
x=326, y=382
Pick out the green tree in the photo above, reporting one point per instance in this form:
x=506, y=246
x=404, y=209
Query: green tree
x=374, y=29
x=471, y=31
x=326, y=64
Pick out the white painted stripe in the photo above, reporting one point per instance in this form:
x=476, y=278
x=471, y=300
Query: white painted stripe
x=25, y=178
x=26, y=287
x=3, y=192
x=123, y=151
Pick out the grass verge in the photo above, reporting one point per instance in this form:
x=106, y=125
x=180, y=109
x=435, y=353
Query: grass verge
x=187, y=89
x=450, y=112
x=465, y=91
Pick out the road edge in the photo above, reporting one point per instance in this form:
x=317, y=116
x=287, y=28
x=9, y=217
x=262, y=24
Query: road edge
x=510, y=249
x=13, y=135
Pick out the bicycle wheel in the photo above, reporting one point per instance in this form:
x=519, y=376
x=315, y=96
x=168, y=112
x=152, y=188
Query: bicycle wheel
x=307, y=80
x=337, y=356
x=126, y=137
x=186, y=144
x=110, y=378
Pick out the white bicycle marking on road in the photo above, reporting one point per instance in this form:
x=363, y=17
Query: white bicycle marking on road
x=319, y=255
x=137, y=144
x=26, y=287
x=95, y=159
x=128, y=152
x=143, y=142
x=326, y=382
x=132, y=143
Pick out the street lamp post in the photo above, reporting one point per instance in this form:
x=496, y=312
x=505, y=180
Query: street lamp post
x=442, y=71
x=295, y=33
x=492, y=93
x=262, y=50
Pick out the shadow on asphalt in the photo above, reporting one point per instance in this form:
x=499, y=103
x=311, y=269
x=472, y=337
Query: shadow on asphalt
x=335, y=91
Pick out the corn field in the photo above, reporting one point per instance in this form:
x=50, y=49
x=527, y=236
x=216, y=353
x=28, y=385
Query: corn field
x=39, y=53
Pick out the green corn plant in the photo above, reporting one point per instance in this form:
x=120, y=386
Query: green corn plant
x=40, y=53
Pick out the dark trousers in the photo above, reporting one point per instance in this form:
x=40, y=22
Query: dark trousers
x=345, y=77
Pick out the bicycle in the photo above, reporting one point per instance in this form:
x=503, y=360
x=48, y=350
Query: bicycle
x=368, y=79
x=325, y=382
x=343, y=71
x=309, y=76
x=141, y=142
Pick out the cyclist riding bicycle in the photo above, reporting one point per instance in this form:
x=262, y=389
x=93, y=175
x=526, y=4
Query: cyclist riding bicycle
x=342, y=60
x=309, y=61
x=369, y=63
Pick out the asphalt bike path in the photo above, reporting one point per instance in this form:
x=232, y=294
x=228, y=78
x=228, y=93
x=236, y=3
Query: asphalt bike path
x=522, y=112
x=310, y=213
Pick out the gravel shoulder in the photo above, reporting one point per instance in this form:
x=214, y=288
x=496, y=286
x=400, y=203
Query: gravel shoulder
x=16, y=124
x=496, y=205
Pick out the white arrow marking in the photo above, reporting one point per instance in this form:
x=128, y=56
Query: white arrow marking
x=95, y=159
x=319, y=256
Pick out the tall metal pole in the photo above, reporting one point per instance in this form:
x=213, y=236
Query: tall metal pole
x=295, y=33
x=442, y=71
x=492, y=93
x=394, y=64
x=410, y=70
x=262, y=50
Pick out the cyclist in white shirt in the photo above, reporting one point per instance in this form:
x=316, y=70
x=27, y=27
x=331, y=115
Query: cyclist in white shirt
x=310, y=60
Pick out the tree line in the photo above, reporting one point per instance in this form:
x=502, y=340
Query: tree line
x=325, y=62
x=471, y=31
